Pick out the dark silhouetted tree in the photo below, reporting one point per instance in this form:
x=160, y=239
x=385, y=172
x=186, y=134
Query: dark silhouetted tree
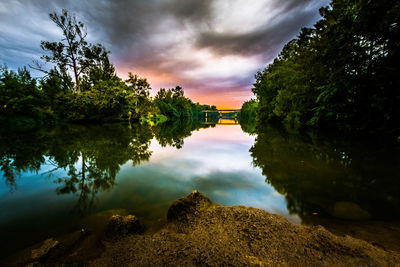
x=69, y=54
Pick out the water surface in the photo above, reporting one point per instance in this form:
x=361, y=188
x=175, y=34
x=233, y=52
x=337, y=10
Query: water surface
x=52, y=179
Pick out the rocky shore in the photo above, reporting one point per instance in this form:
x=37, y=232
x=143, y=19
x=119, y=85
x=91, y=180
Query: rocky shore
x=199, y=232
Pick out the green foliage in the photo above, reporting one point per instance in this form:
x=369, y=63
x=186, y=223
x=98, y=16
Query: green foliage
x=248, y=116
x=99, y=67
x=340, y=74
x=173, y=104
x=104, y=97
x=138, y=91
x=19, y=94
x=249, y=110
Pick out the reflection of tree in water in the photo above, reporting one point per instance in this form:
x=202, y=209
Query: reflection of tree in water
x=248, y=124
x=174, y=133
x=20, y=152
x=92, y=156
x=9, y=172
x=334, y=179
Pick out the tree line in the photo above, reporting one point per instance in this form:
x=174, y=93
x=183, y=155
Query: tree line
x=341, y=74
x=82, y=85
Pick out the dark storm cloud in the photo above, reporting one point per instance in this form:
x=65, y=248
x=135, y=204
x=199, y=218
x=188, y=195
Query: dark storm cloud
x=267, y=40
x=128, y=28
x=128, y=25
x=23, y=24
x=193, y=10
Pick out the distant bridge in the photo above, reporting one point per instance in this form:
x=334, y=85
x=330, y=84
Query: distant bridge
x=222, y=122
x=220, y=111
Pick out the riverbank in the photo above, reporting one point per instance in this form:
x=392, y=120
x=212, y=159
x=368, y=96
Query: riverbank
x=199, y=232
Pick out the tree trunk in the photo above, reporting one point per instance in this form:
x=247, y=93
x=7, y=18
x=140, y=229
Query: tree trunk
x=83, y=169
x=78, y=88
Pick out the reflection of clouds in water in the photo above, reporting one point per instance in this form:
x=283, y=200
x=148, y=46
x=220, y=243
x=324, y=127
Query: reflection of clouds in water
x=212, y=162
x=155, y=183
x=214, y=149
x=223, y=133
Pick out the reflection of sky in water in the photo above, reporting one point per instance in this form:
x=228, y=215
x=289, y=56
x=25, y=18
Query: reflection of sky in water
x=215, y=161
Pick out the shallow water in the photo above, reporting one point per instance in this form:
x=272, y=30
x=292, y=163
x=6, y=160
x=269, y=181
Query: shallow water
x=52, y=179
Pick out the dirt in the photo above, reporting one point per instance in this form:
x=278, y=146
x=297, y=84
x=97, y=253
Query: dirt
x=199, y=232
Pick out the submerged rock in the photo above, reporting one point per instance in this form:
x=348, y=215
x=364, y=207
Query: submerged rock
x=45, y=248
x=349, y=211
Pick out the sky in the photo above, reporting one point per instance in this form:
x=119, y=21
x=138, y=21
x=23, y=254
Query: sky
x=212, y=48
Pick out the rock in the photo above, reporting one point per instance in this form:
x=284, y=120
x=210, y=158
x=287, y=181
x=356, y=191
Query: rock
x=44, y=250
x=185, y=207
x=122, y=225
x=200, y=233
x=349, y=211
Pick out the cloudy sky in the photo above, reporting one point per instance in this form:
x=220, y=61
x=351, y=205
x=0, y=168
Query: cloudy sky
x=212, y=48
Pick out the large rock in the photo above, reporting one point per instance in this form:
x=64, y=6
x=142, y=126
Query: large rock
x=122, y=225
x=182, y=209
x=202, y=233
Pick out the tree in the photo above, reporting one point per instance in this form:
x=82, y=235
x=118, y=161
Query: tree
x=248, y=116
x=177, y=92
x=99, y=67
x=138, y=92
x=139, y=86
x=70, y=54
x=342, y=73
x=19, y=94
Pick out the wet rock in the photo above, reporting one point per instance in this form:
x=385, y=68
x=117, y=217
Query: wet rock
x=45, y=248
x=122, y=225
x=349, y=211
x=183, y=208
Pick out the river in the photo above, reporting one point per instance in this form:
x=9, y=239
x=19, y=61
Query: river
x=56, y=180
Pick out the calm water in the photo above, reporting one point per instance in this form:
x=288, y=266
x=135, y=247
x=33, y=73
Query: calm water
x=53, y=180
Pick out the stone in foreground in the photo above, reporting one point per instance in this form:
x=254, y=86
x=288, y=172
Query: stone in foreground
x=202, y=233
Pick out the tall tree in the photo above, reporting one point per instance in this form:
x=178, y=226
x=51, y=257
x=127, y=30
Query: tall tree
x=70, y=54
x=138, y=92
x=99, y=67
